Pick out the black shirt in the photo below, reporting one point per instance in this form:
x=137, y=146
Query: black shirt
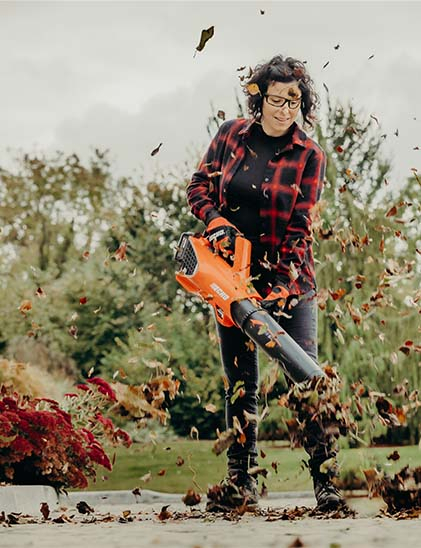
x=244, y=190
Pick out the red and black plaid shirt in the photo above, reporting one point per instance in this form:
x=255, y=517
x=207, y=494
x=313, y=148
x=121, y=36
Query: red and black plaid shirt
x=292, y=184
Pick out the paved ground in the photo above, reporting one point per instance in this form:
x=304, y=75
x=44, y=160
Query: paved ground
x=110, y=526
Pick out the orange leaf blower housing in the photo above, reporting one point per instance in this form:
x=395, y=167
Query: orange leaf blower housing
x=228, y=289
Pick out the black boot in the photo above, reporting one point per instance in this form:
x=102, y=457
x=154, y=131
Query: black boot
x=233, y=492
x=328, y=497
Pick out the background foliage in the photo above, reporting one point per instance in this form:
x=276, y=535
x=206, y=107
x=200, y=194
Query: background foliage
x=93, y=257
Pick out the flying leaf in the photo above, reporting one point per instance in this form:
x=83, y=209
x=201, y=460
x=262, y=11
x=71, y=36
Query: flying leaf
x=204, y=37
x=156, y=150
x=40, y=292
x=392, y=211
x=191, y=498
x=253, y=89
x=120, y=254
x=211, y=408
x=24, y=307
x=146, y=477
x=194, y=433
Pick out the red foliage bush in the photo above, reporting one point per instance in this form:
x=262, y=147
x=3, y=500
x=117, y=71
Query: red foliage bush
x=40, y=442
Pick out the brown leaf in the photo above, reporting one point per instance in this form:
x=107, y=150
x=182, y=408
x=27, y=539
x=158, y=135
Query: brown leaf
x=24, y=307
x=164, y=513
x=156, y=150
x=120, y=254
x=179, y=461
x=381, y=245
x=83, y=508
x=162, y=472
x=253, y=89
x=211, y=408
x=45, y=510
x=73, y=331
x=191, y=498
x=225, y=440
x=392, y=211
x=40, y=292
x=204, y=37
x=296, y=543
x=257, y=471
x=338, y=294
x=393, y=456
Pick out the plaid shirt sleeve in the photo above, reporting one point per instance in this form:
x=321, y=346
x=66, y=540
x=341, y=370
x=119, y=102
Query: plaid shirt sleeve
x=295, y=249
x=202, y=191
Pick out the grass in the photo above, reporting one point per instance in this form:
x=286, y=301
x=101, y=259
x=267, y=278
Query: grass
x=201, y=467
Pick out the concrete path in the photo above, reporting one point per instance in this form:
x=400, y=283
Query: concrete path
x=122, y=522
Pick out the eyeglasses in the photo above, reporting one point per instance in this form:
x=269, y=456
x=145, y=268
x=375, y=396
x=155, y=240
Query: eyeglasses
x=277, y=101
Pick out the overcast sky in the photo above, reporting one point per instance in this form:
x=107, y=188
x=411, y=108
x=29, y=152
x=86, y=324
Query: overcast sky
x=123, y=76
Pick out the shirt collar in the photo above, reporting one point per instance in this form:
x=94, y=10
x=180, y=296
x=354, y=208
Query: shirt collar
x=298, y=136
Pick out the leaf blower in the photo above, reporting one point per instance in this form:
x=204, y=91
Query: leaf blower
x=227, y=288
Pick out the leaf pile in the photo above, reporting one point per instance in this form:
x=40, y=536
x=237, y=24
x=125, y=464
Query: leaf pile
x=403, y=491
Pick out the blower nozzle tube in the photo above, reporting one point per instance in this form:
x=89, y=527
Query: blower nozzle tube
x=259, y=325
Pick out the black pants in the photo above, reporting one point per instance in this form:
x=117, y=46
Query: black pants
x=240, y=363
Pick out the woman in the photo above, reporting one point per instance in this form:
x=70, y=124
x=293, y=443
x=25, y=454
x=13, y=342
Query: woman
x=261, y=177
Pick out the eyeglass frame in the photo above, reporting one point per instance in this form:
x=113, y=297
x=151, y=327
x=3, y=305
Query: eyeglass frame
x=285, y=101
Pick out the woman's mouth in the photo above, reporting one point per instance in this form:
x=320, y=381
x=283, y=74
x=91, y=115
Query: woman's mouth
x=282, y=120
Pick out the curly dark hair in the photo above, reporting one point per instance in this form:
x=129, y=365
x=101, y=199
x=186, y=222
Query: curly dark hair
x=285, y=70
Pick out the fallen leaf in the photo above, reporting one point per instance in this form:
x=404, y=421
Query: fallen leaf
x=164, y=513
x=83, y=508
x=45, y=510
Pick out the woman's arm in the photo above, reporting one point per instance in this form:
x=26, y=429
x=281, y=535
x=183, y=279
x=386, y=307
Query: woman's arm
x=298, y=237
x=202, y=191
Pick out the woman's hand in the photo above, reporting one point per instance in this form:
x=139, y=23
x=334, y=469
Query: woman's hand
x=222, y=234
x=274, y=303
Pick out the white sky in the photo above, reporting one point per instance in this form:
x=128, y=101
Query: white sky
x=121, y=75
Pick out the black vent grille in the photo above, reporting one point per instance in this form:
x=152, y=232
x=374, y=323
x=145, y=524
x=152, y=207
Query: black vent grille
x=186, y=256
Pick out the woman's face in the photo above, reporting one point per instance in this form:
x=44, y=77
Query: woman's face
x=277, y=119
